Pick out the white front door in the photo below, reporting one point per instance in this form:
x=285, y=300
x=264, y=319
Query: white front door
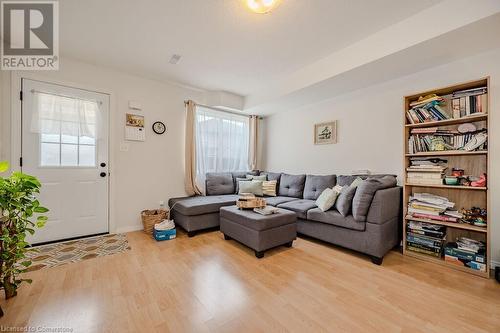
x=65, y=145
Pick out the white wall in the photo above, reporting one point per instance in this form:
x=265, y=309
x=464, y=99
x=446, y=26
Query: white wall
x=150, y=171
x=370, y=132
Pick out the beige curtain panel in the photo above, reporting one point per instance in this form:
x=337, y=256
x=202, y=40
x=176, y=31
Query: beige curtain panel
x=190, y=154
x=253, y=142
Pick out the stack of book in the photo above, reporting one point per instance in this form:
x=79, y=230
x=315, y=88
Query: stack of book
x=466, y=252
x=425, y=238
x=426, y=174
x=431, y=207
x=469, y=102
x=427, y=109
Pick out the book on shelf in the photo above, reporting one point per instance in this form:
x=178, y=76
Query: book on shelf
x=459, y=104
x=424, y=181
x=446, y=140
x=425, y=238
x=442, y=218
x=451, y=250
x=463, y=263
x=425, y=175
x=427, y=252
x=435, y=249
x=466, y=252
x=429, y=206
x=424, y=226
x=428, y=162
x=424, y=168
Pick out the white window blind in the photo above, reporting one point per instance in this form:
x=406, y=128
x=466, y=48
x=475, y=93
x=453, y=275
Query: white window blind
x=221, y=142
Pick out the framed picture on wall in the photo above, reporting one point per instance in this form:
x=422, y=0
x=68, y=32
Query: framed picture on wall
x=325, y=133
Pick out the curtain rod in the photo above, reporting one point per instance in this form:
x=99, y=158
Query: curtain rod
x=221, y=110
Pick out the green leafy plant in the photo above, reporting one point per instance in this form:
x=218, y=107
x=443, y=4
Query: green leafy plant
x=18, y=206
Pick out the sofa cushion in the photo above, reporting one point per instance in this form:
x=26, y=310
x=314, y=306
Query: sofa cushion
x=292, y=185
x=275, y=201
x=219, y=183
x=333, y=217
x=344, y=200
x=199, y=205
x=315, y=185
x=299, y=206
x=365, y=193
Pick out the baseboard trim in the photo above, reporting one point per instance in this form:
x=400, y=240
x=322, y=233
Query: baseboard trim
x=129, y=228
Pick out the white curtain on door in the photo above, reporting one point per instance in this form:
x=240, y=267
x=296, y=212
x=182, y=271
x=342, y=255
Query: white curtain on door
x=55, y=115
x=222, y=141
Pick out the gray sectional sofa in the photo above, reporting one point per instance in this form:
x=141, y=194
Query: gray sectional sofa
x=370, y=227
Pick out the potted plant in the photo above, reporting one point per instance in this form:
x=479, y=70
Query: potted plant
x=18, y=205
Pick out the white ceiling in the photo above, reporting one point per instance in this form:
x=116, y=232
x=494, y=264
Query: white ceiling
x=223, y=46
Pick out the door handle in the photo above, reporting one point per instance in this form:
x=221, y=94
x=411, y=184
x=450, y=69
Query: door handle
x=103, y=174
x=103, y=165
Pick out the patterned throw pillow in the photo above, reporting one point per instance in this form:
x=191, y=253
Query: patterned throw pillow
x=269, y=187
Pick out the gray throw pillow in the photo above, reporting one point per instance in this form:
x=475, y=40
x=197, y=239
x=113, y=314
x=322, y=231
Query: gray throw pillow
x=254, y=186
x=365, y=193
x=344, y=200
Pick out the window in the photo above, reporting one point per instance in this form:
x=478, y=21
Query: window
x=67, y=128
x=221, y=142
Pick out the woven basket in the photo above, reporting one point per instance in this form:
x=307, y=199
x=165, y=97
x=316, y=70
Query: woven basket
x=151, y=217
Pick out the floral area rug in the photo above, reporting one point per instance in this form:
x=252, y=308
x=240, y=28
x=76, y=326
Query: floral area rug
x=58, y=254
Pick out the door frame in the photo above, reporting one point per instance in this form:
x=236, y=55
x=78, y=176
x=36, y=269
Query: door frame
x=16, y=127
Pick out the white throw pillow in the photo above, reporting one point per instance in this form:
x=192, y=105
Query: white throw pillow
x=327, y=199
x=337, y=188
x=356, y=182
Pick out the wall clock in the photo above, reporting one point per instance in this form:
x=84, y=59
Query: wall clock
x=159, y=127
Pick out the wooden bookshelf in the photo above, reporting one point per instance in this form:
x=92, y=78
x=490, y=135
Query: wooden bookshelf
x=473, y=162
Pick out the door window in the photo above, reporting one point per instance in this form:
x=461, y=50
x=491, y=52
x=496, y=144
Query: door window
x=67, y=130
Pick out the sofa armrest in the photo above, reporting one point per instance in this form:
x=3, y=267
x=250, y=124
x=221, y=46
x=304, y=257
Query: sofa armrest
x=386, y=205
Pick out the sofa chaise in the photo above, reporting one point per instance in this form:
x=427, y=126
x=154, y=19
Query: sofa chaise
x=371, y=227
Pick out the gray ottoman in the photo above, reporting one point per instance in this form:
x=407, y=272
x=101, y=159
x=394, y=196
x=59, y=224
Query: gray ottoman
x=258, y=232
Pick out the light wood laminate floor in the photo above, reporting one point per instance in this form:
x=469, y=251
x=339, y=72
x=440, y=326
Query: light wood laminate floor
x=206, y=284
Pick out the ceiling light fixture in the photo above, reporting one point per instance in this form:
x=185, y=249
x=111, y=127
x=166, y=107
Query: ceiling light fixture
x=262, y=6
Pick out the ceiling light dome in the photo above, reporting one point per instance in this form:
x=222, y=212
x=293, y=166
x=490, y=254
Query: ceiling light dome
x=261, y=6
